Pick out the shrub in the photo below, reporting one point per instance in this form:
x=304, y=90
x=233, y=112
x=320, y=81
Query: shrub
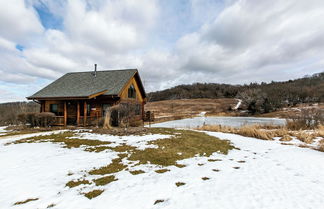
x=308, y=119
x=43, y=119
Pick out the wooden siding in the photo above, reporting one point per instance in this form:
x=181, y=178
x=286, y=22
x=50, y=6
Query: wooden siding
x=124, y=94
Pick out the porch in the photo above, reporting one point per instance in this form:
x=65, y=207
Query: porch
x=76, y=112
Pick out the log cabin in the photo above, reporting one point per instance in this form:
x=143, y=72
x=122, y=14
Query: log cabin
x=82, y=98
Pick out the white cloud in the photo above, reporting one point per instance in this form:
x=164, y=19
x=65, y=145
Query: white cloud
x=236, y=41
x=17, y=22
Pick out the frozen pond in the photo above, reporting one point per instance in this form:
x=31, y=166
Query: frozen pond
x=224, y=121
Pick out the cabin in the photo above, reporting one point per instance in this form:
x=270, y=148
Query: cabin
x=82, y=98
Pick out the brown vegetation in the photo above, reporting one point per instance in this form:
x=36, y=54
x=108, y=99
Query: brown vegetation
x=76, y=183
x=93, y=193
x=186, y=108
x=257, y=98
x=25, y=201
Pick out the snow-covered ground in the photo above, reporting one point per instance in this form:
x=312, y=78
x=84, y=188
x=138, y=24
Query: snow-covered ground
x=261, y=175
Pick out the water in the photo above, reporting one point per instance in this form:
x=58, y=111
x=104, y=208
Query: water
x=224, y=121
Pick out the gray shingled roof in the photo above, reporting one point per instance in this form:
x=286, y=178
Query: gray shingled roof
x=84, y=84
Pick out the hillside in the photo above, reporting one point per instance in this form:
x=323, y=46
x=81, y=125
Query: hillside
x=257, y=97
x=184, y=108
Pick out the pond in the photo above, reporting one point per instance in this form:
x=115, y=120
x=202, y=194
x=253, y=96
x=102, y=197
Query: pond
x=224, y=121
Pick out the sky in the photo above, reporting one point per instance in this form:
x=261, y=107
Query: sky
x=170, y=42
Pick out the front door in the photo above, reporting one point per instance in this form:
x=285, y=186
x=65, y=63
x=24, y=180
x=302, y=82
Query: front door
x=71, y=113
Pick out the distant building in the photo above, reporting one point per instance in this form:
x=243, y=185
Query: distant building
x=80, y=98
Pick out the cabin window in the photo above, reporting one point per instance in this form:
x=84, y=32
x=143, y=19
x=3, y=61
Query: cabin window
x=137, y=109
x=131, y=92
x=54, y=108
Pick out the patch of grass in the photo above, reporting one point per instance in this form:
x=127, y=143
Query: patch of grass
x=180, y=165
x=216, y=170
x=305, y=137
x=64, y=138
x=50, y=206
x=285, y=143
x=205, y=178
x=285, y=138
x=158, y=201
x=321, y=145
x=236, y=167
x=214, y=160
x=178, y=184
x=189, y=143
x=105, y=180
x=200, y=164
x=123, y=148
x=241, y=161
x=25, y=201
x=162, y=170
x=255, y=131
x=113, y=167
x=97, y=148
x=136, y=172
x=94, y=193
x=76, y=183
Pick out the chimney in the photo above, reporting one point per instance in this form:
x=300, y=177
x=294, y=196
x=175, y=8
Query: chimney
x=95, y=71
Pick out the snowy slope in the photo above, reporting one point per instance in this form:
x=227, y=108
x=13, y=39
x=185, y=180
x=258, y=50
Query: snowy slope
x=261, y=175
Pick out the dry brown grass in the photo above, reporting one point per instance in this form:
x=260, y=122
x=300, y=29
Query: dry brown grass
x=305, y=137
x=178, y=184
x=249, y=131
x=186, y=108
x=64, y=138
x=93, y=193
x=285, y=138
x=188, y=143
x=105, y=180
x=321, y=145
x=114, y=167
x=162, y=170
x=320, y=131
x=136, y=172
x=76, y=183
x=25, y=201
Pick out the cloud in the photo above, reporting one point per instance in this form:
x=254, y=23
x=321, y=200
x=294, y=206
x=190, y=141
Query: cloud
x=231, y=41
x=18, y=22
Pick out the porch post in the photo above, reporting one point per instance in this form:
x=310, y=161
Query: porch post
x=65, y=114
x=78, y=113
x=85, y=113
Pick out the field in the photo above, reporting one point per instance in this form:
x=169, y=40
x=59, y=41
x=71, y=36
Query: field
x=156, y=168
x=185, y=108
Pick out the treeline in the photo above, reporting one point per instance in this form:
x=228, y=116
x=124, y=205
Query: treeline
x=9, y=111
x=257, y=97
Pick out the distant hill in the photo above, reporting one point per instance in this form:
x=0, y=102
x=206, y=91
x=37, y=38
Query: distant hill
x=258, y=97
x=9, y=111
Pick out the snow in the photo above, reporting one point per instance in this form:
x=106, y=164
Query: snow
x=238, y=104
x=224, y=121
x=3, y=130
x=272, y=176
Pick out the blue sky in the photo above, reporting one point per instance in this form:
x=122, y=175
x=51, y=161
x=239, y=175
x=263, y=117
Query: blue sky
x=170, y=42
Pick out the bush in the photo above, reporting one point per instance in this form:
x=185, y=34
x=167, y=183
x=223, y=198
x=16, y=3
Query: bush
x=43, y=119
x=308, y=119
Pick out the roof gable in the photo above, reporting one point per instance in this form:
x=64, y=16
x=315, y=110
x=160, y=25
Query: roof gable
x=85, y=84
